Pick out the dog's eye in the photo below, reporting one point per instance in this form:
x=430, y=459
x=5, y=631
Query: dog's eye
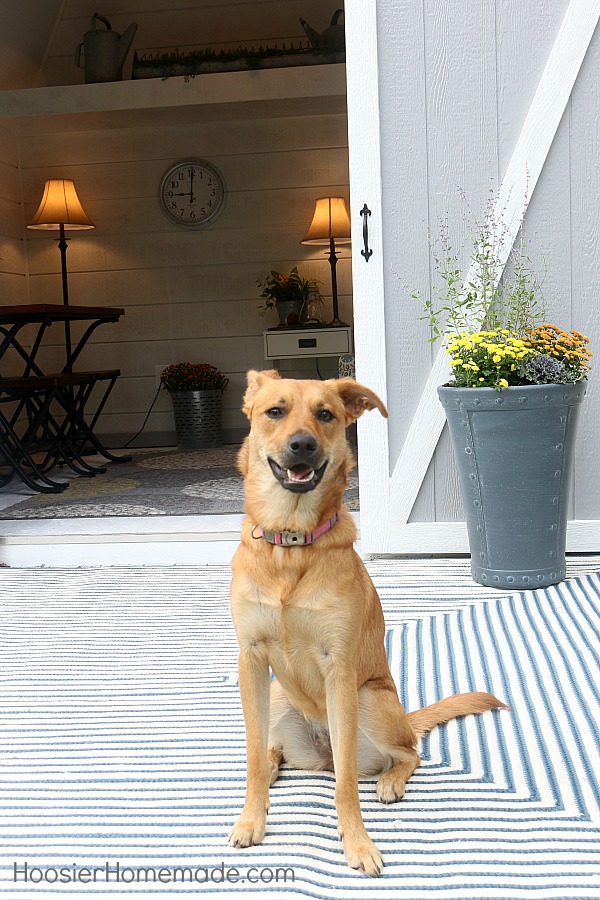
x=275, y=412
x=324, y=415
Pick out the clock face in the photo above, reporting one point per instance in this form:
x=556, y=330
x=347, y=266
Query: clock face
x=192, y=193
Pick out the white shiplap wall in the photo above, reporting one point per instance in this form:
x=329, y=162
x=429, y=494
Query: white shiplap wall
x=454, y=93
x=12, y=257
x=187, y=296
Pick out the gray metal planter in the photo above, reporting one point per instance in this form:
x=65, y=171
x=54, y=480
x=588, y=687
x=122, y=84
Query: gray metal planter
x=514, y=452
x=197, y=418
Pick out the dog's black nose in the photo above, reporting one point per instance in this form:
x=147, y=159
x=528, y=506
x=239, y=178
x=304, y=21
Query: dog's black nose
x=302, y=444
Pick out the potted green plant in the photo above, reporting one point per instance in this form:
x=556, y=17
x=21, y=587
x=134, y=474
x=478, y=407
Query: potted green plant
x=196, y=391
x=512, y=407
x=288, y=294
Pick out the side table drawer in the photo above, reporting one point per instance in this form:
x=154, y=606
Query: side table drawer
x=307, y=342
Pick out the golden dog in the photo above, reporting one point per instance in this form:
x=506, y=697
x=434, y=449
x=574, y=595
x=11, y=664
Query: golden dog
x=304, y=606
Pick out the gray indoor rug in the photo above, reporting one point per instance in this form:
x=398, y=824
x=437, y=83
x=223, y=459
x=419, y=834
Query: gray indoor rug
x=155, y=483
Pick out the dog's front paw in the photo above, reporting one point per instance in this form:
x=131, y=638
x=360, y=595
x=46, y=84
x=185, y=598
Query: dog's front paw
x=246, y=832
x=390, y=787
x=364, y=856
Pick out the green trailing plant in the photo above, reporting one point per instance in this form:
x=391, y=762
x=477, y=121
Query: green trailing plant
x=195, y=58
x=278, y=287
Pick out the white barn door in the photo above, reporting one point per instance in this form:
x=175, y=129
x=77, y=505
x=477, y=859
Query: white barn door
x=442, y=106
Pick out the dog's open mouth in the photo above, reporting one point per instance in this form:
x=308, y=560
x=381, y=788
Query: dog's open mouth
x=299, y=478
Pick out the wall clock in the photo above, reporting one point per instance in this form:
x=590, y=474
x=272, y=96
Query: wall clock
x=192, y=193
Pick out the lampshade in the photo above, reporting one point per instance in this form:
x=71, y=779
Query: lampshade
x=60, y=206
x=330, y=220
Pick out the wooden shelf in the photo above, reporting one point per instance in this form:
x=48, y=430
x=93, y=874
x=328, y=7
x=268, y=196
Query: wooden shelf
x=306, y=90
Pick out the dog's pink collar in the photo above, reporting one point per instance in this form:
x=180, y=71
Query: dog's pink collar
x=294, y=538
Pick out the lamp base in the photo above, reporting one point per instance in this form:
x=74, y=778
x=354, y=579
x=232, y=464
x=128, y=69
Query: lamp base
x=337, y=323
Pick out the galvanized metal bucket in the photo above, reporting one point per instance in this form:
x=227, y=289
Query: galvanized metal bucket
x=198, y=416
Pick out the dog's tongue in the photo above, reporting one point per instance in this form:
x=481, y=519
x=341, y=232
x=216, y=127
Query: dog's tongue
x=300, y=473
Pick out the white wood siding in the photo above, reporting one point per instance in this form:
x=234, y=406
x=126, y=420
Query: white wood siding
x=453, y=95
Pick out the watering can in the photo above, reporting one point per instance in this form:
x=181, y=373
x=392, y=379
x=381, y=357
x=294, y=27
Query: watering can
x=104, y=51
x=332, y=39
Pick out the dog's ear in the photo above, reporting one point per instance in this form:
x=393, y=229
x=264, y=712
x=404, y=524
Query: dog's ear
x=255, y=382
x=357, y=398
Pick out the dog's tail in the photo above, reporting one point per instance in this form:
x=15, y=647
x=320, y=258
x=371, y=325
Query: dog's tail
x=425, y=719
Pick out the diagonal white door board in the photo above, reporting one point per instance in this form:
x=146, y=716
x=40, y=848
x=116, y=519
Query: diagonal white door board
x=524, y=168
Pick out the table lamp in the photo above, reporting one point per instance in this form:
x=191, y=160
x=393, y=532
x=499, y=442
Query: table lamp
x=60, y=210
x=330, y=224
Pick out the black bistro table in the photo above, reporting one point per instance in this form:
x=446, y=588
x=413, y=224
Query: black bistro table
x=47, y=418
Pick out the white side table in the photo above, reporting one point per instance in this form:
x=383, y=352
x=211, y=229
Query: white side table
x=297, y=343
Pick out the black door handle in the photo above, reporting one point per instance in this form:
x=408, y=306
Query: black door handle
x=367, y=253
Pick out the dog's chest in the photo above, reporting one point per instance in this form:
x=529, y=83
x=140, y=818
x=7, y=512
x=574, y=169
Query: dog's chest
x=296, y=630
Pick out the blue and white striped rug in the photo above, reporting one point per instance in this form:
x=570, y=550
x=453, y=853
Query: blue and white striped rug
x=122, y=751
